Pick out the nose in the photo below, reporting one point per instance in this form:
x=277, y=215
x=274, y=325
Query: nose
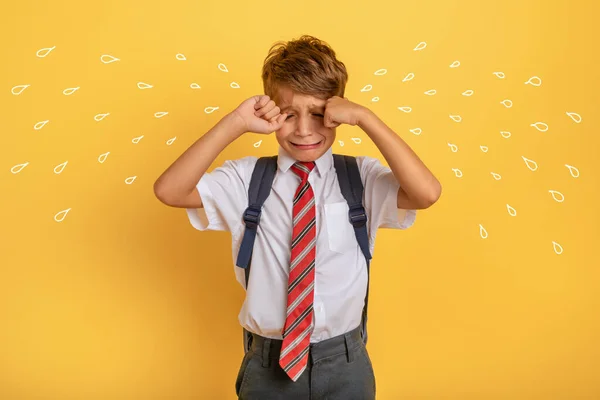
x=304, y=126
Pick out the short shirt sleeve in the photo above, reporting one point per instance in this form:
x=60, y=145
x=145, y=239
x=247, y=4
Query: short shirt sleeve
x=224, y=194
x=381, y=197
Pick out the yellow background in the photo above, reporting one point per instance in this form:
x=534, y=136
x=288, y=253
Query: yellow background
x=123, y=299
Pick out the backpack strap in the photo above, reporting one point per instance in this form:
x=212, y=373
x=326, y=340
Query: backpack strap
x=258, y=191
x=351, y=187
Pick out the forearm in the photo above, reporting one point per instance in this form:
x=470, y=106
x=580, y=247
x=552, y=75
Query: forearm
x=182, y=176
x=415, y=179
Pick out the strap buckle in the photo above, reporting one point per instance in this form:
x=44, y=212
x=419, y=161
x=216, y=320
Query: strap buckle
x=357, y=216
x=252, y=217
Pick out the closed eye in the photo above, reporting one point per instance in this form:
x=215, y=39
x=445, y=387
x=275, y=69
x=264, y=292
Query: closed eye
x=291, y=115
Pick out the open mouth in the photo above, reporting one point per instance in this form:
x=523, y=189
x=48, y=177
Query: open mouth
x=307, y=146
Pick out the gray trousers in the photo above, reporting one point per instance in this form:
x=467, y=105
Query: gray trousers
x=338, y=368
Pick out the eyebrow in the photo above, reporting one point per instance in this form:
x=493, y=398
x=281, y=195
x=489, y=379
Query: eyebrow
x=312, y=107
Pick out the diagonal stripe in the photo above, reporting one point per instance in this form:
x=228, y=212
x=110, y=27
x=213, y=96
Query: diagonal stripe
x=294, y=354
x=306, y=208
x=301, y=297
x=291, y=345
x=303, y=253
x=294, y=324
x=301, y=192
x=302, y=275
x=302, y=168
x=304, y=231
x=300, y=371
x=300, y=268
x=295, y=360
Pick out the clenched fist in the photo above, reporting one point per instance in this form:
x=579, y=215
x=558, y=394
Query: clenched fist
x=260, y=114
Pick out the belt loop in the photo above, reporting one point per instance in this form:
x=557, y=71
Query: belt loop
x=349, y=354
x=265, y=352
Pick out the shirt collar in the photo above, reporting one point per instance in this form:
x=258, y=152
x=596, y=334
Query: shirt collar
x=323, y=163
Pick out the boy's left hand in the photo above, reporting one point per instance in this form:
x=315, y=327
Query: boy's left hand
x=341, y=111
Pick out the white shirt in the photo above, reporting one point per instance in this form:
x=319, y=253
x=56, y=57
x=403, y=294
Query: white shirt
x=340, y=271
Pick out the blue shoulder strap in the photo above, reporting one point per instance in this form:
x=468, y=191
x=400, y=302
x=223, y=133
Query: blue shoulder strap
x=258, y=191
x=352, y=189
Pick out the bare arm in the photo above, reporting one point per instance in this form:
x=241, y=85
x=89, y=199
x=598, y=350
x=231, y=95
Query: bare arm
x=176, y=187
x=419, y=188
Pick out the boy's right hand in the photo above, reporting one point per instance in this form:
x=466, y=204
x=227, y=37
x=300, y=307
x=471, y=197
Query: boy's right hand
x=260, y=114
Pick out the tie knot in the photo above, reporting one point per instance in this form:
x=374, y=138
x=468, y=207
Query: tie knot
x=303, y=168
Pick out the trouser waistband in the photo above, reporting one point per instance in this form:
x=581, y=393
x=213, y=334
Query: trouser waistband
x=342, y=344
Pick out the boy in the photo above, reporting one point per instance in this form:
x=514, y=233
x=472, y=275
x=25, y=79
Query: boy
x=305, y=296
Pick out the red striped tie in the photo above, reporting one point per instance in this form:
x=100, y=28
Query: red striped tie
x=299, y=321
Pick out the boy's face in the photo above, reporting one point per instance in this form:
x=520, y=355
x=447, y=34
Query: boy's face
x=303, y=134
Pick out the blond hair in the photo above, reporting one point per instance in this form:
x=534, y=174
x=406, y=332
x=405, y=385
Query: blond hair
x=306, y=65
